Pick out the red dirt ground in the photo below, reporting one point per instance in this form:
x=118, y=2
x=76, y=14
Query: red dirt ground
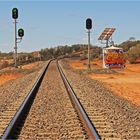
x=12, y=76
x=126, y=85
x=9, y=76
x=30, y=66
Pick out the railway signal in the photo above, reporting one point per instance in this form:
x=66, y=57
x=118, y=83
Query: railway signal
x=15, y=13
x=20, y=32
x=88, y=23
x=89, y=27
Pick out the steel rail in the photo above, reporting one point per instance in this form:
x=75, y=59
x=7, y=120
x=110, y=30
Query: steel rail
x=24, y=108
x=90, y=129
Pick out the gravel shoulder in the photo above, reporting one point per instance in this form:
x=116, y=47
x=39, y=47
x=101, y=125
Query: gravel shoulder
x=123, y=116
x=12, y=90
x=13, y=93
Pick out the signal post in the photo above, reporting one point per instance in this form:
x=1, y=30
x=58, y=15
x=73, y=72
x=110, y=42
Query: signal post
x=20, y=33
x=88, y=27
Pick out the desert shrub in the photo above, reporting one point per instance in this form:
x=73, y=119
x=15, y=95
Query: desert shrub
x=3, y=64
x=133, y=54
x=83, y=57
x=128, y=45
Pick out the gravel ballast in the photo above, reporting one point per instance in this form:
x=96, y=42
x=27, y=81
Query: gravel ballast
x=52, y=115
x=13, y=93
x=122, y=116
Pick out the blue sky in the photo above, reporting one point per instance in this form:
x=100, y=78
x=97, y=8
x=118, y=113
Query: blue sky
x=51, y=23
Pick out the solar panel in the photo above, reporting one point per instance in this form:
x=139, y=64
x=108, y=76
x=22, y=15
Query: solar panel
x=106, y=34
x=109, y=34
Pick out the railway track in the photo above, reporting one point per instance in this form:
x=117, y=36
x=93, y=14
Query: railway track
x=77, y=121
x=91, y=131
x=68, y=122
x=97, y=117
x=56, y=112
x=14, y=115
x=61, y=120
x=55, y=117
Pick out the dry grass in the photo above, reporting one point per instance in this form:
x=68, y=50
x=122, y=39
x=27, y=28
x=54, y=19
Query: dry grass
x=11, y=73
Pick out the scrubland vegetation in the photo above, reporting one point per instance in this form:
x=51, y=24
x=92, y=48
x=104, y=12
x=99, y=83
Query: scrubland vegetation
x=131, y=53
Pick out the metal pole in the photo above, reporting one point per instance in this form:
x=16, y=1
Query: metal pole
x=15, y=43
x=89, y=48
x=104, y=58
x=107, y=43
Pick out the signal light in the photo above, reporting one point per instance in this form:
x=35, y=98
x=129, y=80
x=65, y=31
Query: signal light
x=88, y=23
x=15, y=13
x=20, y=32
